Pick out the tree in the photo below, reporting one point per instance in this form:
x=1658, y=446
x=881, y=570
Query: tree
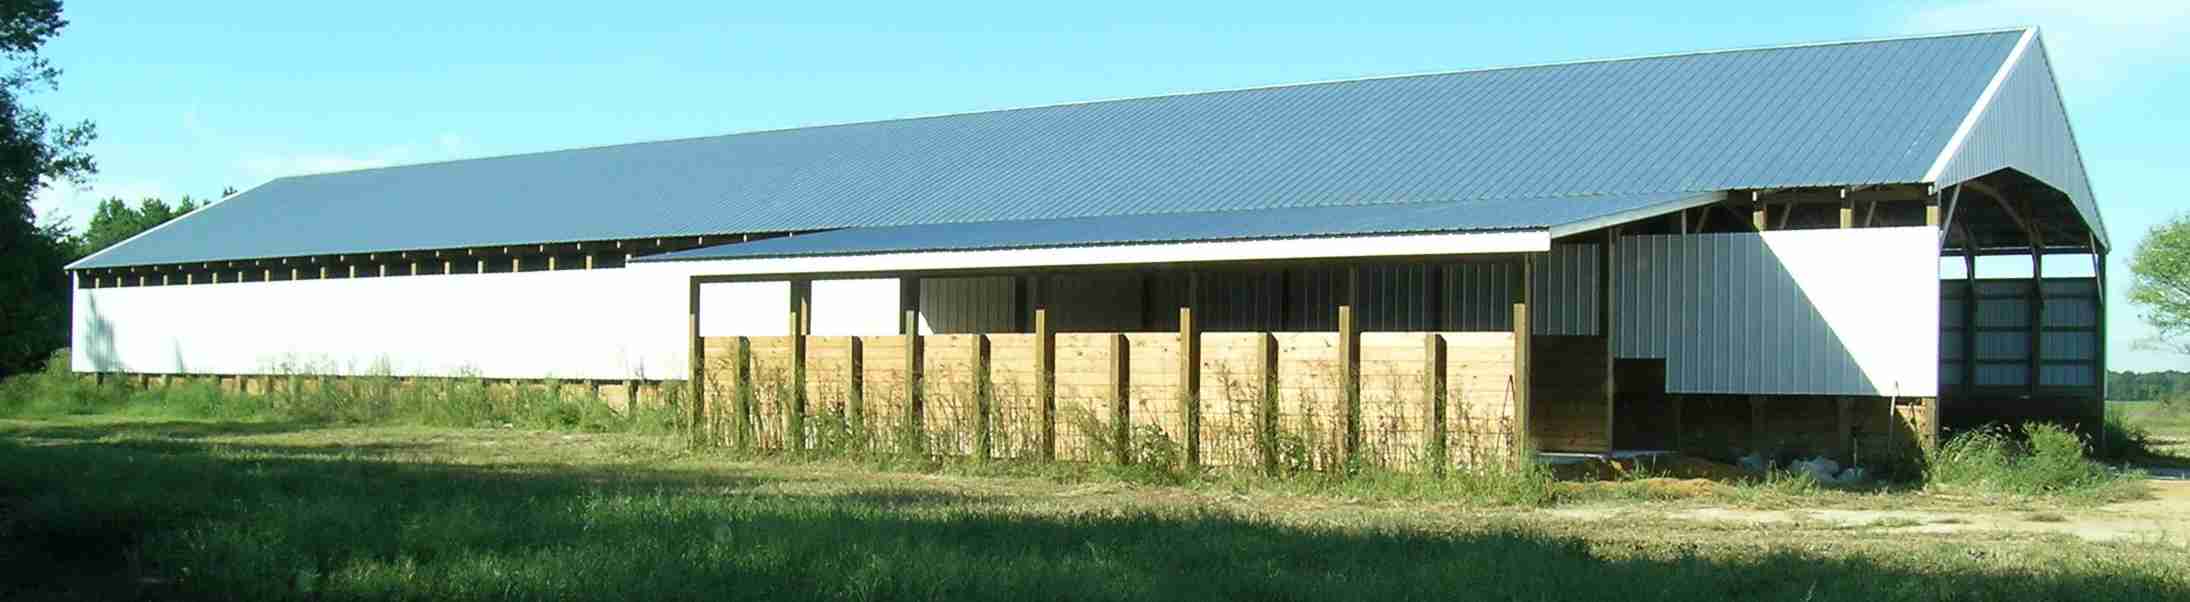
x=115, y=221
x=2160, y=281
x=34, y=153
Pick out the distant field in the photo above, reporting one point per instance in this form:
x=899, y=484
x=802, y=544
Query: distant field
x=161, y=508
x=2169, y=427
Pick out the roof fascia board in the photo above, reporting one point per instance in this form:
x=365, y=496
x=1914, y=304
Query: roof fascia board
x=1984, y=100
x=1460, y=243
x=125, y=242
x=1643, y=213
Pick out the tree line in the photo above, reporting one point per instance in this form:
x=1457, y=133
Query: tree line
x=2164, y=385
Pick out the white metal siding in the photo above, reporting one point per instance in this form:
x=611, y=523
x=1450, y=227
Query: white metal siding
x=1822, y=312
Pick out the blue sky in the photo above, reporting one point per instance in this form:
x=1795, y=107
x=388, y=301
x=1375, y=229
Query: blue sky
x=190, y=98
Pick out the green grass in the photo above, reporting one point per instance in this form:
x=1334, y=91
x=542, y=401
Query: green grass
x=2037, y=460
x=2150, y=433
x=107, y=508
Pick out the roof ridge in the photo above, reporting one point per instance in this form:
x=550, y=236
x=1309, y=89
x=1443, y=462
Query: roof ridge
x=1369, y=78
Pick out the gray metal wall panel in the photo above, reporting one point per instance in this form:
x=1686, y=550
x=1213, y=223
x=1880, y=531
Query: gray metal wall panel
x=2068, y=346
x=1479, y=296
x=2003, y=345
x=1837, y=115
x=2026, y=128
x=963, y=305
x=2001, y=375
x=2066, y=375
x=1566, y=291
x=2071, y=312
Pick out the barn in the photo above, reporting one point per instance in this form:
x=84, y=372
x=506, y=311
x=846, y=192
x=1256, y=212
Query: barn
x=1723, y=252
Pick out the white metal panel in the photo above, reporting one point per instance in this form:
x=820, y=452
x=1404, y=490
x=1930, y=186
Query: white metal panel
x=608, y=324
x=1819, y=312
x=864, y=307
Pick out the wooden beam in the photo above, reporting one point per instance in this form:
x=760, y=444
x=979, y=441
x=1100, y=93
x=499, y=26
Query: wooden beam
x=913, y=411
x=801, y=324
x=1121, y=400
x=2037, y=308
x=1433, y=401
x=1607, y=283
x=1349, y=362
x=1266, y=414
x=1524, y=439
x=696, y=368
x=1845, y=421
x=1969, y=313
x=1190, y=373
x=1847, y=214
x=1045, y=381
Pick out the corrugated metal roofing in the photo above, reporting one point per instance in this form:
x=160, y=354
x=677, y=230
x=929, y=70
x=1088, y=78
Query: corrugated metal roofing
x=1294, y=222
x=1832, y=114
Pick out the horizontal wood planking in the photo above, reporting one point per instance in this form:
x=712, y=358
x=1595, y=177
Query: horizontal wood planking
x=1084, y=389
x=883, y=380
x=948, y=382
x=1015, y=412
x=1154, y=361
x=1394, y=426
x=1231, y=393
x=1479, y=420
x=1311, y=398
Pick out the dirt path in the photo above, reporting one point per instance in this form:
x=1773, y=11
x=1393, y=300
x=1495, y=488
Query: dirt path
x=2162, y=518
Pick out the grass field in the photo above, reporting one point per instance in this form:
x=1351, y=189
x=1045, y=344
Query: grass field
x=2168, y=427
x=145, y=507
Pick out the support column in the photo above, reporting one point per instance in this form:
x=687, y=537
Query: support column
x=1607, y=283
x=1433, y=400
x=2037, y=316
x=913, y=426
x=696, y=371
x=1190, y=371
x=1969, y=313
x=1266, y=431
x=1121, y=398
x=1045, y=381
x=1349, y=362
x=801, y=308
x=1524, y=440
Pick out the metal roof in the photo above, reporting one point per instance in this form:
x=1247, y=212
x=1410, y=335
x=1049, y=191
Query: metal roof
x=1290, y=222
x=1837, y=114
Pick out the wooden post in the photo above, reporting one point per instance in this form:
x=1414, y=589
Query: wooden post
x=2037, y=317
x=696, y=370
x=913, y=410
x=1523, y=404
x=482, y=269
x=1190, y=372
x=1969, y=313
x=383, y=270
x=414, y=268
x=855, y=389
x=516, y=264
x=1759, y=217
x=1045, y=381
x=1433, y=401
x=1266, y=431
x=795, y=414
x=1349, y=362
x=353, y=273
x=1607, y=284
x=984, y=406
x=551, y=263
x=741, y=401
x=589, y=261
x=1847, y=213
x=1121, y=399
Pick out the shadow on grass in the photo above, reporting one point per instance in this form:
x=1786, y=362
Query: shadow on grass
x=186, y=520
